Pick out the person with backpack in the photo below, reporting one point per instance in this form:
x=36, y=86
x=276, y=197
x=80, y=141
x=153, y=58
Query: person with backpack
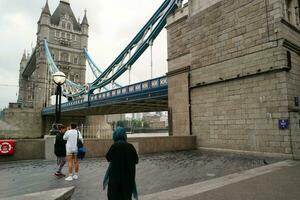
x=72, y=137
x=120, y=175
x=60, y=149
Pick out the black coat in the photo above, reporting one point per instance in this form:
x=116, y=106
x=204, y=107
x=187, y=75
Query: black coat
x=123, y=158
x=60, y=145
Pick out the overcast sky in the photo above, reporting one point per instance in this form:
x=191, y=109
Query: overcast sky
x=112, y=26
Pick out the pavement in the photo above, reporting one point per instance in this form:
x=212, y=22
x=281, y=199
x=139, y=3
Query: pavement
x=56, y=194
x=279, y=181
x=185, y=173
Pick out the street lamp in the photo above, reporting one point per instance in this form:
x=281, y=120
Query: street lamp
x=59, y=79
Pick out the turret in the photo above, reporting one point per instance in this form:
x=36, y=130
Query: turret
x=22, y=81
x=23, y=62
x=85, y=25
x=85, y=31
x=44, y=22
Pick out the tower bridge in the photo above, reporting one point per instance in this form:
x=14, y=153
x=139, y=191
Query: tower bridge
x=233, y=72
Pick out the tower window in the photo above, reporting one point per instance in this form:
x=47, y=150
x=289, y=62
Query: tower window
x=75, y=60
x=292, y=11
x=69, y=26
x=76, y=78
x=63, y=24
x=65, y=57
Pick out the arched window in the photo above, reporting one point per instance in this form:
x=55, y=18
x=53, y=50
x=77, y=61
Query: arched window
x=63, y=24
x=69, y=26
x=76, y=79
x=65, y=57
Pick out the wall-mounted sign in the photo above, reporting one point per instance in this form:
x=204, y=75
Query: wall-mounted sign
x=283, y=123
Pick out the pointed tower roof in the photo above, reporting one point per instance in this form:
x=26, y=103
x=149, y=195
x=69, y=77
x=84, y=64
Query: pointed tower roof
x=84, y=20
x=62, y=9
x=46, y=9
x=24, y=58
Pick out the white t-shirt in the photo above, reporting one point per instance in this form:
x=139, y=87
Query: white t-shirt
x=71, y=137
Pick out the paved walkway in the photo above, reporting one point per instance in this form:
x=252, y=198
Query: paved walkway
x=155, y=173
x=279, y=181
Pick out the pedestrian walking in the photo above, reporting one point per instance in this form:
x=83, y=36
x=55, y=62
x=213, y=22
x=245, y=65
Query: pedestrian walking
x=72, y=136
x=60, y=150
x=120, y=175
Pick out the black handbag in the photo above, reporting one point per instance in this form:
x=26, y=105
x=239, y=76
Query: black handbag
x=79, y=142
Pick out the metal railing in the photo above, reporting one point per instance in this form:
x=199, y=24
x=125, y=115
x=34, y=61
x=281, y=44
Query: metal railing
x=95, y=132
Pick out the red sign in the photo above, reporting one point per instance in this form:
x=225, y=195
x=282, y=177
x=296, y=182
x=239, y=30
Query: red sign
x=7, y=147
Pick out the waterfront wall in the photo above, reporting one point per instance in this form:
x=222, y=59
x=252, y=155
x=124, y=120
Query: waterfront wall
x=35, y=148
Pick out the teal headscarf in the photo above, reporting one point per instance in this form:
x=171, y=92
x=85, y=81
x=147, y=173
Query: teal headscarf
x=119, y=136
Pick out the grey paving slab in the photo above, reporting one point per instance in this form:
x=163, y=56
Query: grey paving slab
x=155, y=173
x=282, y=184
x=55, y=194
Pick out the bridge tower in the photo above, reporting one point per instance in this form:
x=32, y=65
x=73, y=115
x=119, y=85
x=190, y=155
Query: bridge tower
x=66, y=37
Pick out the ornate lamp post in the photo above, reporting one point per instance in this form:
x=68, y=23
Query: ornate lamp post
x=59, y=79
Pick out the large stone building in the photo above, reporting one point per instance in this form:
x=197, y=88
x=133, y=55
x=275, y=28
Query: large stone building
x=235, y=66
x=66, y=38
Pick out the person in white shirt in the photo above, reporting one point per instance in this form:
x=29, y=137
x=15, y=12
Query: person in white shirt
x=72, y=150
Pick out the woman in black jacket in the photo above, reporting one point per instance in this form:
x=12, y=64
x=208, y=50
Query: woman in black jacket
x=60, y=150
x=120, y=176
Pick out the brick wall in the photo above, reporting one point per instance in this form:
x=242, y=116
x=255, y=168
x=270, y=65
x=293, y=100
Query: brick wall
x=240, y=81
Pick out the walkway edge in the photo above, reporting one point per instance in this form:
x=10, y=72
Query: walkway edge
x=55, y=194
x=197, y=188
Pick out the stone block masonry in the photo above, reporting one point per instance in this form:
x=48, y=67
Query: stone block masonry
x=243, y=74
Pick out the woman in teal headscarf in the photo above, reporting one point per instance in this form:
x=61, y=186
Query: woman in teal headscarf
x=120, y=175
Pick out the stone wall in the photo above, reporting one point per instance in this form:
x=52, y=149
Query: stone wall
x=35, y=149
x=22, y=123
x=28, y=149
x=98, y=148
x=239, y=82
x=292, y=47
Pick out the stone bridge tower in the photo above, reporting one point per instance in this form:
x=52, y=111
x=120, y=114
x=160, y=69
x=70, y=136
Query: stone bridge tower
x=66, y=37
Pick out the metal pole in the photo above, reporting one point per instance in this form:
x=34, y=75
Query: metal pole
x=151, y=59
x=129, y=75
x=56, y=105
x=59, y=110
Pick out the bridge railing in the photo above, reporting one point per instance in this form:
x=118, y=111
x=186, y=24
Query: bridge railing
x=130, y=89
x=144, y=86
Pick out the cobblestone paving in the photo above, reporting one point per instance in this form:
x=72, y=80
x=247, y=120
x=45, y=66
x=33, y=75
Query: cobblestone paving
x=155, y=172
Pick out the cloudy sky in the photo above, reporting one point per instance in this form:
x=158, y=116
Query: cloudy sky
x=112, y=26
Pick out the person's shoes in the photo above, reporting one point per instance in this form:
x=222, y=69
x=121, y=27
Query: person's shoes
x=57, y=174
x=62, y=175
x=75, y=177
x=69, y=178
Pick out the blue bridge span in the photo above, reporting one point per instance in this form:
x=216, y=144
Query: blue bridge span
x=146, y=96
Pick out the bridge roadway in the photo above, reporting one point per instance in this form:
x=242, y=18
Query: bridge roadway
x=146, y=96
